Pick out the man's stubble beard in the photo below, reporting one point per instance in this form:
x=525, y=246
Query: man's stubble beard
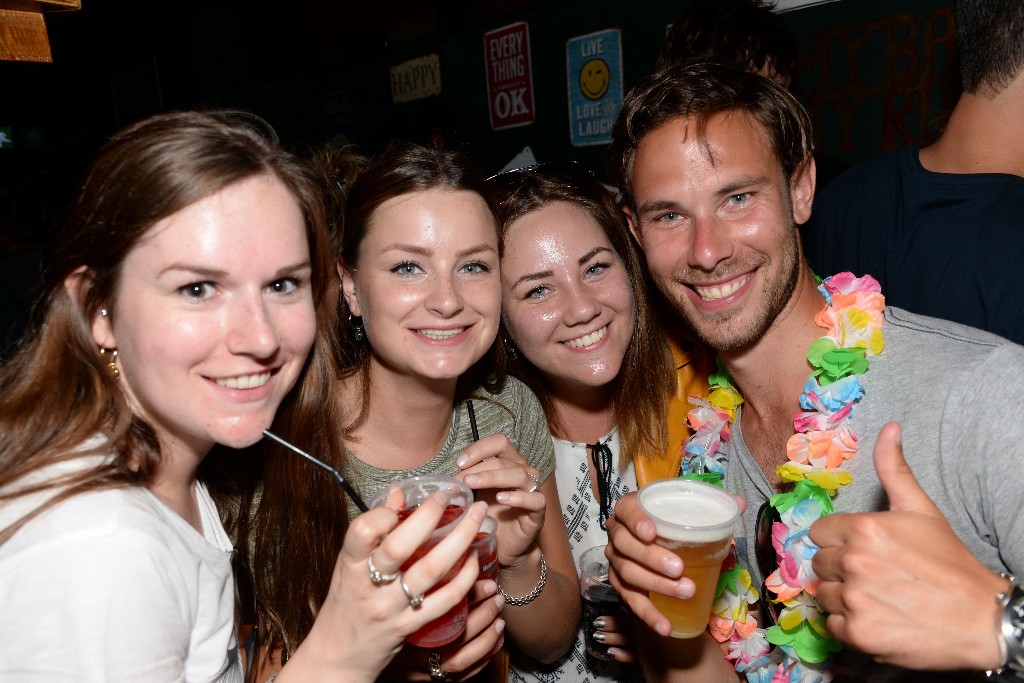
x=778, y=296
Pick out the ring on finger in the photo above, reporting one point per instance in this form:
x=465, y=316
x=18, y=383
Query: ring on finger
x=414, y=599
x=436, y=674
x=536, y=483
x=378, y=577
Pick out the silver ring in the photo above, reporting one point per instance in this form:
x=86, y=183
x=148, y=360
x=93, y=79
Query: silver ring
x=414, y=600
x=436, y=674
x=378, y=577
x=536, y=484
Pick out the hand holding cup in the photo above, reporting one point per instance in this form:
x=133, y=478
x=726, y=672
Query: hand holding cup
x=413, y=492
x=695, y=520
x=600, y=601
x=363, y=624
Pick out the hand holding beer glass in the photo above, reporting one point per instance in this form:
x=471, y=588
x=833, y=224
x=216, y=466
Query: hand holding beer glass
x=694, y=520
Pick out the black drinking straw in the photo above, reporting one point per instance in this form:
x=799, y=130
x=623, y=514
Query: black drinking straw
x=472, y=420
x=322, y=465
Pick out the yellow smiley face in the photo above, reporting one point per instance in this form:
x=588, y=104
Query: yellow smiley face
x=594, y=79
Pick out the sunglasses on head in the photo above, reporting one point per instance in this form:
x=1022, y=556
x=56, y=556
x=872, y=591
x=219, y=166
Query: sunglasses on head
x=571, y=171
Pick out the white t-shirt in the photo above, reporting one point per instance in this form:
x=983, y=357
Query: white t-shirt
x=115, y=586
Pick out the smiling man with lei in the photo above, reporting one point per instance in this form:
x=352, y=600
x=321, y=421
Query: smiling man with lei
x=862, y=563
x=822, y=442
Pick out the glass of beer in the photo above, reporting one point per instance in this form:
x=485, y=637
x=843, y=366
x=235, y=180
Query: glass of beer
x=695, y=520
x=451, y=625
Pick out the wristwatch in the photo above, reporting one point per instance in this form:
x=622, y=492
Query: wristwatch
x=1012, y=625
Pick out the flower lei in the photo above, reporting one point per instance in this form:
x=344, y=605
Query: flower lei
x=823, y=440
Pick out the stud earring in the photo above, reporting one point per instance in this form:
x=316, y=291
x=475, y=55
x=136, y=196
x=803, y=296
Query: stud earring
x=104, y=312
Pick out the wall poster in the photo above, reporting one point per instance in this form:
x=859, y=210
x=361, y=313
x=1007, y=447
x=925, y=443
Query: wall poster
x=509, y=76
x=594, y=81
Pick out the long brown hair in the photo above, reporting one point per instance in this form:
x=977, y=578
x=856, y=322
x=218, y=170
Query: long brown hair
x=296, y=522
x=404, y=168
x=56, y=392
x=646, y=379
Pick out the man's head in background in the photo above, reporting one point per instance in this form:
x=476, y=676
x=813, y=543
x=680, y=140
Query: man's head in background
x=746, y=34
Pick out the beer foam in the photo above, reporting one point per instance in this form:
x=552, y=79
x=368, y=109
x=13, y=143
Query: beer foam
x=688, y=516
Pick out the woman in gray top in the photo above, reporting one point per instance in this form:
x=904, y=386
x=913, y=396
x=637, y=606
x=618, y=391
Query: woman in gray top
x=419, y=264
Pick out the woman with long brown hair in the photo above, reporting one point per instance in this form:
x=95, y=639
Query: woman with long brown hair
x=577, y=322
x=421, y=392
x=179, y=314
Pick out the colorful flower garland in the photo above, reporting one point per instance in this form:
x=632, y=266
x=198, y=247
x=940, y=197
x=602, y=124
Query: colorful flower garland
x=824, y=440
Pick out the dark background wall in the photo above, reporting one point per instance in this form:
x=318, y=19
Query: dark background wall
x=874, y=74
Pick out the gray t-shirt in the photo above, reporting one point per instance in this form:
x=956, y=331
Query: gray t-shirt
x=514, y=411
x=958, y=394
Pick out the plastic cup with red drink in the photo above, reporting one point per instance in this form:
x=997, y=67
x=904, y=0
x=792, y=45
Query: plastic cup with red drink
x=451, y=625
x=486, y=546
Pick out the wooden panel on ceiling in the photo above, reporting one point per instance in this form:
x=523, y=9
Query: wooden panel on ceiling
x=41, y=5
x=23, y=36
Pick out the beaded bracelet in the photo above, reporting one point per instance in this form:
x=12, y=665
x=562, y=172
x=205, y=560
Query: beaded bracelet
x=532, y=595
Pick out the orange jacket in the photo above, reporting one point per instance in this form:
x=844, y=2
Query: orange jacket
x=693, y=366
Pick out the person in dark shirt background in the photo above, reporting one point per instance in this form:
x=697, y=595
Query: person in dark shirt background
x=942, y=227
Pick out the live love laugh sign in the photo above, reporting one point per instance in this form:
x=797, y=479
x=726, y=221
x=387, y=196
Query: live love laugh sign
x=594, y=71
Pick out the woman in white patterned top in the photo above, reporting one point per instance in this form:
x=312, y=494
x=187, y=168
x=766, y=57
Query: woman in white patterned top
x=585, y=340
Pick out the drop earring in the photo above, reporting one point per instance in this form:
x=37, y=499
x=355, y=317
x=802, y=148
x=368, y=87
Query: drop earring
x=357, y=327
x=110, y=356
x=510, y=348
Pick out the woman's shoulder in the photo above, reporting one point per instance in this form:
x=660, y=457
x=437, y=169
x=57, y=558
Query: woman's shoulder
x=94, y=514
x=514, y=410
x=129, y=522
x=514, y=404
x=112, y=552
x=91, y=538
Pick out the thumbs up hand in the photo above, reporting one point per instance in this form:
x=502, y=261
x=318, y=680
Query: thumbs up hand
x=899, y=585
x=905, y=494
